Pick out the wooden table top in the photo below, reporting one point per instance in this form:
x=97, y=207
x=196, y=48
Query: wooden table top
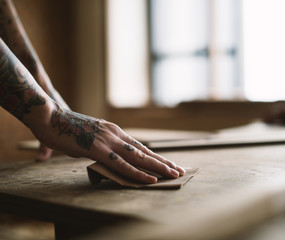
x=59, y=190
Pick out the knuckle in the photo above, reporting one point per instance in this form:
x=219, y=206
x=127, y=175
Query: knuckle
x=141, y=155
x=103, y=140
x=121, y=164
x=113, y=128
x=128, y=137
x=171, y=164
x=164, y=167
x=148, y=151
x=136, y=142
x=108, y=138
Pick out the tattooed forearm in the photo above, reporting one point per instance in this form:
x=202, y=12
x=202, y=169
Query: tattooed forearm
x=5, y=23
x=13, y=34
x=15, y=37
x=17, y=93
x=83, y=128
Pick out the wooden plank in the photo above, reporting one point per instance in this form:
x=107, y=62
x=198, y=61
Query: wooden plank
x=256, y=133
x=63, y=182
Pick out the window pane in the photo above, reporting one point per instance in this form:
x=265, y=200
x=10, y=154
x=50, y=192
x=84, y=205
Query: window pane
x=225, y=82
x=227, y=85
x=226, y=23
x=180, y=79
x=180, y=36
x=179, y=26
x=127, y=53
x=264, y=49
x=194, y=49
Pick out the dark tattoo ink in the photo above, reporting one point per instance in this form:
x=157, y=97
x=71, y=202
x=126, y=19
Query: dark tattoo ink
x=17, y=94
x=113, y=156
x=5, y=21
x=137, y=142
x=82, y=127
x=10, y=32
x=129, y=147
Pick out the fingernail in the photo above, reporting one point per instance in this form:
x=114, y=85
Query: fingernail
x=152, y=179
x=174, y=173
x=181, y=170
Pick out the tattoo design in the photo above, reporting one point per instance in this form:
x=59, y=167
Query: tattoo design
x=136, y=142
x=5, y=23
x=113, y=156
x=17, y=94
x=129, y=147
x=9, y=21
x=82, y=127
x=11, y=32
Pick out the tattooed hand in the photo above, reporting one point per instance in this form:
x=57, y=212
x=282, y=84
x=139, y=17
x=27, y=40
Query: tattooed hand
x=84, y=136
x=75, y=134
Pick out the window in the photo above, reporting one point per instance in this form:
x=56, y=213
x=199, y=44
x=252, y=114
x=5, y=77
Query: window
x=127, y=53
x=166, y=51
x=194, y=50
x=264, y=49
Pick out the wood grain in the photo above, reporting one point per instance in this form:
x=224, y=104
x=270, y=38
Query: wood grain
x=59, y=190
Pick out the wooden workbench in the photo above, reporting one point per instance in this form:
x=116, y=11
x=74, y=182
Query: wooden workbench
x=232, y=185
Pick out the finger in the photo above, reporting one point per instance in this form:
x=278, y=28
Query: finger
x=147, y=151
x=166, y=161
x=118, y=164
x=44, y=153
x=138, y=158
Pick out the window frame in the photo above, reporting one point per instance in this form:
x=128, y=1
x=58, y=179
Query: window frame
x=194, y=115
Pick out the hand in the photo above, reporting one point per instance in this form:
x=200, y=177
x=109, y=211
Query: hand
x=79, y=135
x=44, y=153
x=127, y=156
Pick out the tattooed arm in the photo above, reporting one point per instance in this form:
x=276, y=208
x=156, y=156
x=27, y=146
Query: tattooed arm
x=75, y=134
x=14, y=35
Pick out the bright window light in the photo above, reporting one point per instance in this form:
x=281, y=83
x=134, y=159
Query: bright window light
x=225, y=38
x=175, y=81
x=179, y=29
x=194, y=49
x=264, y=49
x=127, y=53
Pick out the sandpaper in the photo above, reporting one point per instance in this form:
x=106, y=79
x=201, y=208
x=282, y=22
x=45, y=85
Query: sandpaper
x=97, y=172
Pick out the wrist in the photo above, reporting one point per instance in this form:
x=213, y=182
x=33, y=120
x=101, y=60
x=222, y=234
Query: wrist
x=44, y=81
x=61, y=130
x=38, y=120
